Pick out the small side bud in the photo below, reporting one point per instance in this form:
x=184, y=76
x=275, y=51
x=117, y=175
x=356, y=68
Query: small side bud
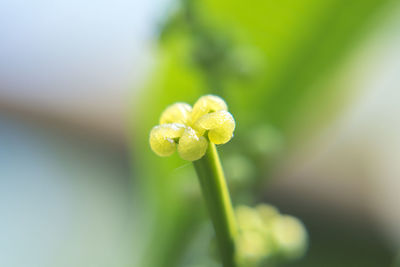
x=162, y=138
x=290, y=235
x=220, y=126
x=191, y=147
x=248, y=218
x=267, y=212
x=207, y=104
x=176, y=113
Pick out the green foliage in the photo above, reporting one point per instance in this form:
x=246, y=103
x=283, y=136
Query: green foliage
x=273, y=61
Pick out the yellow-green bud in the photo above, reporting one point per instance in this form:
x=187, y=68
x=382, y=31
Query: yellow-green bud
x=162, y=138
x=220, y=126
x=176, y=113
x=207, y=104
x=191, y=147
x=290, y=236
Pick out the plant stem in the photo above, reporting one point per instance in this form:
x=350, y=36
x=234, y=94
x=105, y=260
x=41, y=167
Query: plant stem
x=216, y=195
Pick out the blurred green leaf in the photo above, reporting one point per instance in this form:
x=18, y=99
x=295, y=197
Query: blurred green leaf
x=273, y=61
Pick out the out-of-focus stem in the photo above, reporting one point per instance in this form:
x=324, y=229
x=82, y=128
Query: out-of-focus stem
x=216, y=195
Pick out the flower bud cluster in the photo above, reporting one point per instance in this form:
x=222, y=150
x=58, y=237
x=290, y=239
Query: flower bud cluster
x=189, y=130
x=265, y=234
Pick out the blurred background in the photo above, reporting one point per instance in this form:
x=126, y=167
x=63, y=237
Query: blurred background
x=313, y=85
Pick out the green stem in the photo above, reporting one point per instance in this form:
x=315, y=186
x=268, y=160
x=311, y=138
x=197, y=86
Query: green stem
x=216, y=195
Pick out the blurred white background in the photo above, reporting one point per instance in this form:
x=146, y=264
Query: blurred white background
x=354, y=165
x=76, y=60
x=77, y=64
x=67, y=72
